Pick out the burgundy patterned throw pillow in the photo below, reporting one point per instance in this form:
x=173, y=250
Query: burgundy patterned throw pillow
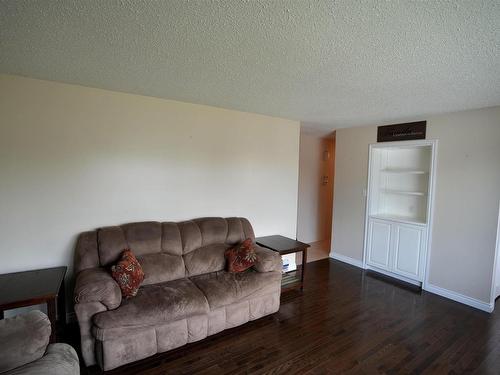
x=241, y=257
x=128, y=273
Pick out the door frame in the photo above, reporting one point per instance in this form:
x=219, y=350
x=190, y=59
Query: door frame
x=494, y=280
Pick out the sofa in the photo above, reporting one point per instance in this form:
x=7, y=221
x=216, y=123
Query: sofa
x=25, y=349
x=186, y=294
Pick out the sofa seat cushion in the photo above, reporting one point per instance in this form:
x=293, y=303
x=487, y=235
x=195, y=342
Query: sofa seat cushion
x=156, y=304
x=223, y=288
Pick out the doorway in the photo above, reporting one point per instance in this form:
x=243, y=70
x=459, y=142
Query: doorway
x=315, y=194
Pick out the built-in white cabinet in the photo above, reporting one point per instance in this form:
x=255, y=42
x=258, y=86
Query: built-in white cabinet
x=396, y=247
x=379, y=246
x=409, y=248
x=400, y=192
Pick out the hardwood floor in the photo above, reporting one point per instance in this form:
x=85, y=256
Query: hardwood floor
x=345, y=321
x=318, y=250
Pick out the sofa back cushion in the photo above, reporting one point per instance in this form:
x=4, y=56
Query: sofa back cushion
x=143, y=238
x=166, y=251
x=205, y=241
x=156, y=245
x=161, y=267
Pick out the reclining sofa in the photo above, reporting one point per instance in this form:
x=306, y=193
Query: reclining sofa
x=186, y=295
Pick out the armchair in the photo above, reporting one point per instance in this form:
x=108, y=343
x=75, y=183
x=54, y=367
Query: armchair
x=25, y=349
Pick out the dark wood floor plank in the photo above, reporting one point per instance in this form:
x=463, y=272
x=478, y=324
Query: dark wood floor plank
x=345, y=321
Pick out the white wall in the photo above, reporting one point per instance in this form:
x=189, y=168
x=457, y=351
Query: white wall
x=466, y=200
x=74, y=158
x=314, y=213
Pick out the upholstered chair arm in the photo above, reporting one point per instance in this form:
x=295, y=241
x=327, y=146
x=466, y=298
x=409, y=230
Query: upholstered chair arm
x=59, y=359
x=268, y=260
x=23, y=339
x=97, y=285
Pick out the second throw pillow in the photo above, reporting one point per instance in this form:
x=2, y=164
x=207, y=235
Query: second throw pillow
x=241, y=257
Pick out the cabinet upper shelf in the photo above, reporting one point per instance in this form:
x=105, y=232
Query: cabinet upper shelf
x=404, y=192
x=400, y=183
x=404, y=171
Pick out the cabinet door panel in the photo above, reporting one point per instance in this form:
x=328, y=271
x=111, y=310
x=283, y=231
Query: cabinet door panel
x=408, y=250
x=379, y=244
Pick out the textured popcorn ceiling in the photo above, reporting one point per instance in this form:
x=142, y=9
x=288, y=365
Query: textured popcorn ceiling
x=328, y=63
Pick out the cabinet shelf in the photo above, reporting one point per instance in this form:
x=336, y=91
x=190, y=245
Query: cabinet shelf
x=291, y=277
x=404, y=192
x=399, y=219
x=404, y=171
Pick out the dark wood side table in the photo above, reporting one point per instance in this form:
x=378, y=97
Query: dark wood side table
x=35, y=287
x=285, y=245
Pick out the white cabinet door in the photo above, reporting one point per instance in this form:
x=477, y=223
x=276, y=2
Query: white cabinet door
x=408, y=250
x=379, y=244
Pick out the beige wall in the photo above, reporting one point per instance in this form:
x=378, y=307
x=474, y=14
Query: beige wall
x=75, y=158
x=351, y=173
x=314, y=213
x=466, y=199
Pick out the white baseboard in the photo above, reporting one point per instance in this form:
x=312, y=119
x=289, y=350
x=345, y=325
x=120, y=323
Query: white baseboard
x=488, y=307
x=346, y=259
x=469, y=301
x=394, y=276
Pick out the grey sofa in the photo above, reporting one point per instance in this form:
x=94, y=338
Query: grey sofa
x=25, y=349
x=186, y=294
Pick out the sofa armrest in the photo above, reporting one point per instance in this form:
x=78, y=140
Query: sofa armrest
x=85, y=312
x=97, y=285
x=268, y=260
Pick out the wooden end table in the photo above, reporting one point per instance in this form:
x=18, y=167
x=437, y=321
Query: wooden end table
x=283, y=246
x=35, y=287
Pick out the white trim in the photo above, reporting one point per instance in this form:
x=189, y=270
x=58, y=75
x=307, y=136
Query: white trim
x=346, y=259
x=417, y=142
x=494, y=282
x=367, y=205
x=430, y=214
x=457, y=297
x=394, y=275
x=466, y=300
